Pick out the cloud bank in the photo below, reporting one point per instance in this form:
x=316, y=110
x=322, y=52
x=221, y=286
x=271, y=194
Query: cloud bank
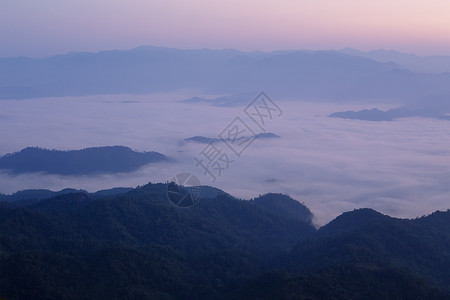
x=332, y=165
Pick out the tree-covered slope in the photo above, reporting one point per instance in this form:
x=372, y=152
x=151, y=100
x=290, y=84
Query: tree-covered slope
x=365, y=255
x=72, y=246
x=138, y=245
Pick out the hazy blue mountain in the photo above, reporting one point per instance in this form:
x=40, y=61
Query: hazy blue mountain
x=201, y=140
x=208, y=140
x=365, y=114
x=141, y=70
x=267, y=135
x=333, y=75
x=415, y=63
x=316, y=74
x=108, y=159
x=436, y=107
x=138, y=245
x=225, y=101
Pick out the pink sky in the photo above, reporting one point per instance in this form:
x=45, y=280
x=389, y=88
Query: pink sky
x=47, y=27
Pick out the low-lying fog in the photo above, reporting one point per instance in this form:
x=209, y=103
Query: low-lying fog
x=401, y=168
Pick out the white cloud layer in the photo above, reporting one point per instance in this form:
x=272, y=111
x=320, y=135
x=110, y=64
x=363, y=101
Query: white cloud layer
x=401, y=168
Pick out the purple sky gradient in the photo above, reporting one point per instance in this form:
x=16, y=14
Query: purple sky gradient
x=48, y=27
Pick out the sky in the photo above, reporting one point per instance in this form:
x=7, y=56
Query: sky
x=48, y=27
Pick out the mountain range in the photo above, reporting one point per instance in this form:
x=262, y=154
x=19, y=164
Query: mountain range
x=331, y=75
x=138, y=245
x=415, y=63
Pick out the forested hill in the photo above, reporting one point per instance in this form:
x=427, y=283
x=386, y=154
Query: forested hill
x=138, y=245
x=107, y=159
x=366, y=255
x=34, y=195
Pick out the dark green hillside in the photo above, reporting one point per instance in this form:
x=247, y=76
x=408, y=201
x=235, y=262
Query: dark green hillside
x=341, y=282
x=25, y=197
x=138, y=245
x=366, y=255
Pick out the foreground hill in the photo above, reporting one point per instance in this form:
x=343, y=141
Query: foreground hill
x=138, y=245
x=366, y=255
x=109, y=159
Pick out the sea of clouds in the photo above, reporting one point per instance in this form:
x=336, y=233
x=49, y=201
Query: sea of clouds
x=401, y=168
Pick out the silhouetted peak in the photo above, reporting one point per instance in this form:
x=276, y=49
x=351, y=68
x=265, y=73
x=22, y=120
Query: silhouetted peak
x=285, y=206
x=438, y=219
x=351, y=220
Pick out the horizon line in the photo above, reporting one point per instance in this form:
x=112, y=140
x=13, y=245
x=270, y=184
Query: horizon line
x=221, y=49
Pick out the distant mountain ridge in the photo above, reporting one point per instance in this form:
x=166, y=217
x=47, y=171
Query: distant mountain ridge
x=307, y=74
x=107, y=159
x=415, y=63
